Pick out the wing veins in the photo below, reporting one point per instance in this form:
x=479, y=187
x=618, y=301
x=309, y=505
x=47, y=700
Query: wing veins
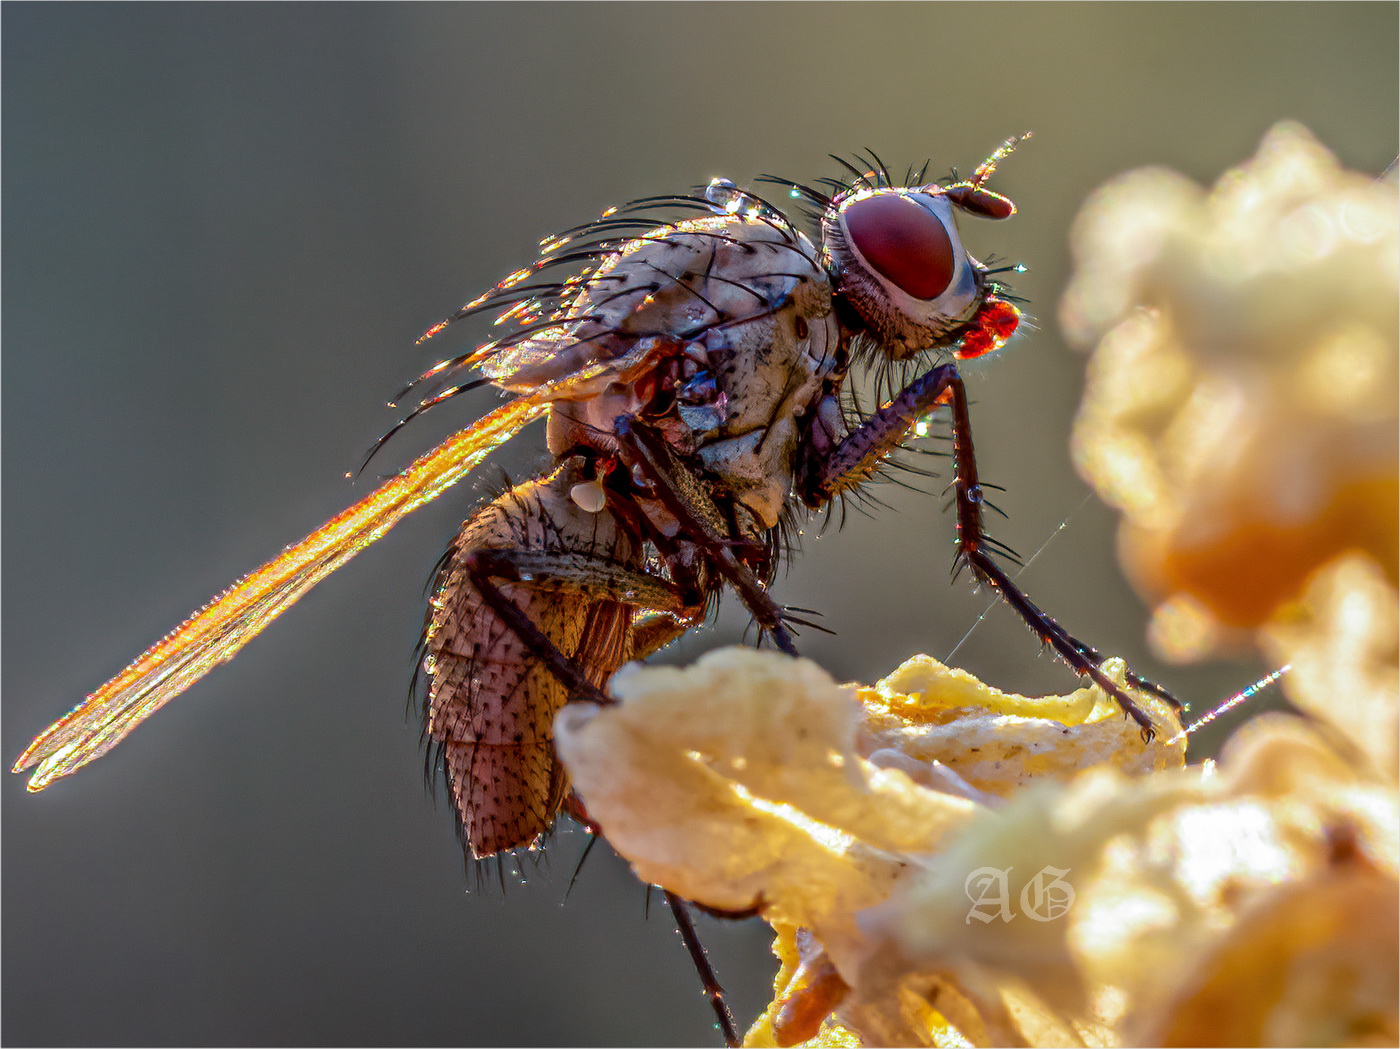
x=216, y=632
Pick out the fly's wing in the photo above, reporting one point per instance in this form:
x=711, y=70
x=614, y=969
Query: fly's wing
x=216, y=632
x=607, y=322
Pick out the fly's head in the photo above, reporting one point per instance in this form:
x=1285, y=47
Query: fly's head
x=895, y=257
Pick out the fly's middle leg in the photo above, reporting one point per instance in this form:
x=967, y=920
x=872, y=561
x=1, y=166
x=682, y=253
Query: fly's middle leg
x=646, y=452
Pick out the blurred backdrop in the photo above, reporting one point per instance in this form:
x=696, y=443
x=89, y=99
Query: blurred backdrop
x=224, y=227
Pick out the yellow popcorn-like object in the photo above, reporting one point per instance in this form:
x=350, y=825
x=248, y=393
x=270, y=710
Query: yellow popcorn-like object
x=926, y=713
x=752, y=779
x=1241, y=407
x=1060, y=892
x=1339, y=641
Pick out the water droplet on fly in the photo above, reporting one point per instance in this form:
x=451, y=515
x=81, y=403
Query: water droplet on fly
x=725, y=198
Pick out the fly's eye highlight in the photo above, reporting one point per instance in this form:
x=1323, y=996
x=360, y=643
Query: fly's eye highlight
x=902, y=241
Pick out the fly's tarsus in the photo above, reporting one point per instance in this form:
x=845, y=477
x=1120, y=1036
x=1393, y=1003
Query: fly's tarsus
x=686, y=927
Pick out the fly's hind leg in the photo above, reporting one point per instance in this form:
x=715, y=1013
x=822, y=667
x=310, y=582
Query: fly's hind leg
x=534, y=605
x=859, y=454
x=685, y=927
x=579, y=577
x=595, y=581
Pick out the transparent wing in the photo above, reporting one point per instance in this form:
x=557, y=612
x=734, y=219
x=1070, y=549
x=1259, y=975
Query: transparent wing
x=217, y=631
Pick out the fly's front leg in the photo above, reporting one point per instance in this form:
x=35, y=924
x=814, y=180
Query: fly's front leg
x=645, y=452
x=860, y=453
x=972, y=540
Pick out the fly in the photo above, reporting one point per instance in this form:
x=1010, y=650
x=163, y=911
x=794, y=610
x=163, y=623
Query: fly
x=689, y=355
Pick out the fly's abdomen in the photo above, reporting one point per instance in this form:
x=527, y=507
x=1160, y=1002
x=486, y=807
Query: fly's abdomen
x=491, y=702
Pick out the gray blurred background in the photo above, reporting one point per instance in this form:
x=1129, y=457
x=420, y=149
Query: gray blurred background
x=224, y=227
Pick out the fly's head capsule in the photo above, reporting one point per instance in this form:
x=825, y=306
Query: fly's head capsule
x=895, y=256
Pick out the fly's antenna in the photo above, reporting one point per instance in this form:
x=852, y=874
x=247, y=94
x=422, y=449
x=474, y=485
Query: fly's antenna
x=988, y=167
x=972, y=196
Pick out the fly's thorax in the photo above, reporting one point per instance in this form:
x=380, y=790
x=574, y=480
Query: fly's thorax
x=896, y=257
x=719, y=332
x=767, y=366
x=772, y=373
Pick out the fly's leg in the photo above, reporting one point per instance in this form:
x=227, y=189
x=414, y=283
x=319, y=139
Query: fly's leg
x=686, y=927
x=644, y=451
x=574, y=807
x=578, y=575
x=1139, y=682
x=859, y=454
x=971, y=541
x=486, y=570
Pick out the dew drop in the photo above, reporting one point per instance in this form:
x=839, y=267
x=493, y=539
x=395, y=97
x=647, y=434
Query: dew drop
x=725, y=198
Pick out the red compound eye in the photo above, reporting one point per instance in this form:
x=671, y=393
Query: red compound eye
x=905, y=243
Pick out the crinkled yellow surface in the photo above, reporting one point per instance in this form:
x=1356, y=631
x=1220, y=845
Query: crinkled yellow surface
x=1166, y=869
x=737, y=781
x=752, y=779
x=1340, y=642
x=998, y=742
x=1241, y=402
x=1107, y=902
